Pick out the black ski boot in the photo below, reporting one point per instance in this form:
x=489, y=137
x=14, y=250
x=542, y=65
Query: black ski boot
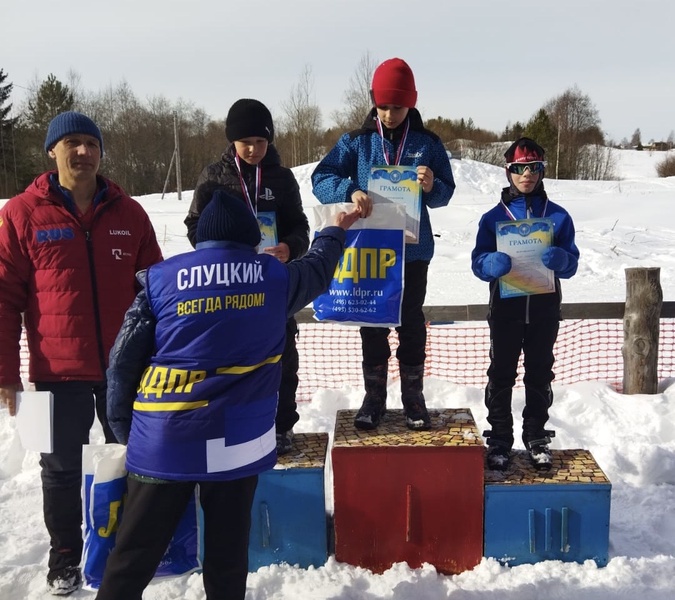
x=538, y=399
x=498, y=456
x=540, y=454
x=375, y=401
x=414, y=405
x=500, y=437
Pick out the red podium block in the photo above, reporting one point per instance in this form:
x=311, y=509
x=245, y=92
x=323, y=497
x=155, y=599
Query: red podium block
x=413, y=496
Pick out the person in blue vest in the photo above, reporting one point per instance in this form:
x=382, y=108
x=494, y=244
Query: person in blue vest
x=193, y=386
x=529, y=323
x=392, y=134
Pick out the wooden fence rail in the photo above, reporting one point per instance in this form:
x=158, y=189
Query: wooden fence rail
x=478, y=312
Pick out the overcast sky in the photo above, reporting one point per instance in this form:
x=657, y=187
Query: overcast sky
x=494, y=61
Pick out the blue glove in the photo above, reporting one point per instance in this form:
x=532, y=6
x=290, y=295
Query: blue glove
x=555, y=258
x=496, y=264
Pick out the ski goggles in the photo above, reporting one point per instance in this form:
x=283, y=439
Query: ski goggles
x=519, y=168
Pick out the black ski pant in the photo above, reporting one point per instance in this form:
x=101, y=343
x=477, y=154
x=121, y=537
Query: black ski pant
x=412, y=333
x=508, y=338
x=75, y=403
x=287, y=409
x=152, y=512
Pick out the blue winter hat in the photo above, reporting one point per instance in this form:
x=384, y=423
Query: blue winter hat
x=227, y=218
x=70, y=122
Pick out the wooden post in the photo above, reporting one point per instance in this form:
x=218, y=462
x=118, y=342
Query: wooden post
x=640, y=350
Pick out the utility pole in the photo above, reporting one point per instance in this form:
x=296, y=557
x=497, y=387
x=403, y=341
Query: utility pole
x=557, y=154
x=179, y=186
x=168, y=174
x=175, y=157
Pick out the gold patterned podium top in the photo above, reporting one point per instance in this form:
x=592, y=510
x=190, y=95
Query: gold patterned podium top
x=309, y=451
x=569, y=467
x=449, y=427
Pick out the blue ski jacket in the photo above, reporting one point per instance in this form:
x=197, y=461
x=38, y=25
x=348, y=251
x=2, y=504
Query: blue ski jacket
x=535, y=205
x=346, y=169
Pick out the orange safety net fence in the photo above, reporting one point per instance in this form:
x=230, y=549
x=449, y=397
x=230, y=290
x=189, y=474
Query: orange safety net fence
x=586, y=350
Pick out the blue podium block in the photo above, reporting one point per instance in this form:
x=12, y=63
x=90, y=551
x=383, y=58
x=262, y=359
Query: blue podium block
x=288, y=518
x=561, y=514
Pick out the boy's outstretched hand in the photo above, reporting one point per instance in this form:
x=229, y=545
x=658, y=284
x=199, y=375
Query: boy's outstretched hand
x=346, y=219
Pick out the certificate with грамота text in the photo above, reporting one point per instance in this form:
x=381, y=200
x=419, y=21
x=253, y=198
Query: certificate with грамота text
x=525, y=240
x=397, y=183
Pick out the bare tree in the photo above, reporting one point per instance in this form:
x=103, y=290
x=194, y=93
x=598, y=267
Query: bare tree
x=596, y=162
x=302, y=122
x=577, y=122
x=491, y=153
x=357, y=97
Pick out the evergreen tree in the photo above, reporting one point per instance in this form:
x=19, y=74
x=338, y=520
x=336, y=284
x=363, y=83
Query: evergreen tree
x=52, y=98
x=540, y=129
x=7, y=153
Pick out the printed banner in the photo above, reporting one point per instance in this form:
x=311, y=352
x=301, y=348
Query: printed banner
x=524, y=241
x=104, y=480
x=367, y=287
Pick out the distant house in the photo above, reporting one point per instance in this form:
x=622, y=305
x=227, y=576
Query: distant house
x=659, y=146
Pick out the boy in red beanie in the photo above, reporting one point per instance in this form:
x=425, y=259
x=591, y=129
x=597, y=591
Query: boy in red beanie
x=392, y=134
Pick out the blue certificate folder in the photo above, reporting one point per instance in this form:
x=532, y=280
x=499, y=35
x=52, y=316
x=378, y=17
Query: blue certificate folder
x=399, y=184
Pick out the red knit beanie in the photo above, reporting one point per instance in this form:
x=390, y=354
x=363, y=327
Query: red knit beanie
x=394, y=83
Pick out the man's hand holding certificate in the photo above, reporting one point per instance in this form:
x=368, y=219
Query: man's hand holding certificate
x=526, y=241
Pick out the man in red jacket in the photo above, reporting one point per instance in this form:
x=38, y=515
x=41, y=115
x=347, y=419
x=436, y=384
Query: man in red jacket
x=70, y=246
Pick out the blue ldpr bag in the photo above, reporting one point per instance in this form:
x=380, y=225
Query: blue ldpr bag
x=367, y=287
x=104, y=481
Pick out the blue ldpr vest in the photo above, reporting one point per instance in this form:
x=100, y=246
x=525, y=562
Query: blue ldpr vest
x=206, y=405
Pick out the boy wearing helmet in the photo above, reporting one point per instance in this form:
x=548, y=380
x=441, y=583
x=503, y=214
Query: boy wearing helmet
x=527, y=324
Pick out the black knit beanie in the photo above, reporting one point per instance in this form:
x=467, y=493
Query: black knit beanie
x=67, y=123
x=226, y=218
x=249, y=118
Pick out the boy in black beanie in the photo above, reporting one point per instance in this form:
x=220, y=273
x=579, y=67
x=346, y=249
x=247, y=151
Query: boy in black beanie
x=250, y=169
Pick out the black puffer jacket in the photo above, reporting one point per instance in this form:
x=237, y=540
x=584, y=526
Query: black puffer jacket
x=278, y=192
